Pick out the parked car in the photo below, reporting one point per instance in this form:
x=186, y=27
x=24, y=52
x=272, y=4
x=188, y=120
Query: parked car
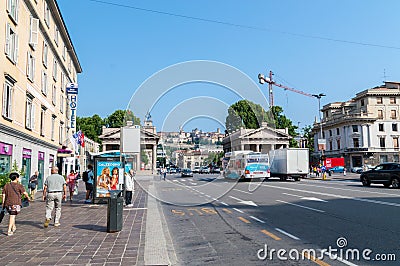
x=357, y=169
x=186, y=172
x=196, y=169
x=205, y=170
x=216, y=170
x=387, y=174
x=336, y=169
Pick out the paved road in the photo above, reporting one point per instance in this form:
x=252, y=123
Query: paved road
x=214, y=221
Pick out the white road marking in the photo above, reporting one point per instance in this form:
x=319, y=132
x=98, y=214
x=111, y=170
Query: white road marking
x=247, y=202
x=301, y=206
x=258, y=220
x=223, y=203
x=338, y=196
x=352, y=190
x=238, y=210
x=287, y=234
x=193, y=183
x=243, y=191
x=305, y=198
x=339, y=259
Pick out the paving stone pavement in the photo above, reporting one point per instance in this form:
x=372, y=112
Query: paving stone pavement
x=82, y=238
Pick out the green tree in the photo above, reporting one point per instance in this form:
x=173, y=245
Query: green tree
x=91, y=126
x=119, y=119
x=310, y=138
x=144, y=157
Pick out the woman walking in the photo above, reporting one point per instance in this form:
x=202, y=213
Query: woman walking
x=71, y=182
x=12, y=193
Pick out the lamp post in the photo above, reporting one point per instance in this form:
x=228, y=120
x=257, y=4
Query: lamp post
x=319, y=96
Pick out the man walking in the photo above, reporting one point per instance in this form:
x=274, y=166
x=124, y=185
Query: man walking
x=129, y=187
x=33, y=183
x=55, y=190
x=89, y=183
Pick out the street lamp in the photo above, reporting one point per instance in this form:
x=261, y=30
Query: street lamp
x=319, y=96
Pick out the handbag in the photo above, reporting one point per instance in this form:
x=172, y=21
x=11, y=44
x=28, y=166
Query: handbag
x=75, y=191
x=32, y=186
x=2, y=213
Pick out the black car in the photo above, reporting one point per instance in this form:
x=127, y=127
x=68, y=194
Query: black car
x=387, y=174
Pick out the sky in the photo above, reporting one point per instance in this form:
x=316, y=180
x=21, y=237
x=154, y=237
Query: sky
x=338, y=48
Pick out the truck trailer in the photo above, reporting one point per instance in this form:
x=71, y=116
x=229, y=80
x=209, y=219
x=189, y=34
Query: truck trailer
x=289, y=163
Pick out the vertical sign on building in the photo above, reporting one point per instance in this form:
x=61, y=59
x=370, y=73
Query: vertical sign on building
x=72, y=93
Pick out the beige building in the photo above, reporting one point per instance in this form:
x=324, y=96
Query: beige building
x=364, y=130
x=262, y=139
x=37, y=62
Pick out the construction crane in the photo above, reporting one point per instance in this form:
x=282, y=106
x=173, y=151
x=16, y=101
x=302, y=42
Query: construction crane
x=271, y=82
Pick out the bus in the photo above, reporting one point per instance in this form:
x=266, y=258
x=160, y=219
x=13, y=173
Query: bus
x=246, y=165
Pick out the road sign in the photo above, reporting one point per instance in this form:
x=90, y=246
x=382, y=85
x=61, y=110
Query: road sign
x=72, y=88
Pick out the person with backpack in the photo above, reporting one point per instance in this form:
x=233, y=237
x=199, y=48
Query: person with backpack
x=88, y=178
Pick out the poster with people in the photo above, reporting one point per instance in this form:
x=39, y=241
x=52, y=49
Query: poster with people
x=108, y=175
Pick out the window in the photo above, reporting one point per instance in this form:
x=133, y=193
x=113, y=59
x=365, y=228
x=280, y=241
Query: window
x=11, y=44
x=382, y=142
x=62, y=103
x=392, y=100
x=33, y=37
x=394, y=127
x=323, y=134
x=42, y=120
x=53, y=124
x=383, y=159
x=380, y=127
x=355, y=128
x=7, y=99
x=45, y=53
x=330, y=133
x=46, y=14
x=69, y=65
x=337, y=131
x=54, y=95
x=379, y=100
x=330, y=145
x=12, y=9
x=64, y=52
x=60, y=132
x=362, y=102
x=29, y=113
x=393, y=114
x=56, y=35
x=338, y=144
x=356, y=143
x=395, y=142
x=380, y=114
x=55, y=70
x=396, y=158
x=44, y=82
x=30, y=67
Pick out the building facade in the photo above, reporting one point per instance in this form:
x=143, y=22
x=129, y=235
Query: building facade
x=364, y=130
x=37, y=61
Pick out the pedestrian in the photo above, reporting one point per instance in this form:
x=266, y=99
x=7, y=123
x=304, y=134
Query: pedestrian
x=164, y=172
x=344, y=171
x=33, y=183
x=12, y=193
x=89, y=184
x=129, y=187
x=71, y=183
x=55, y=190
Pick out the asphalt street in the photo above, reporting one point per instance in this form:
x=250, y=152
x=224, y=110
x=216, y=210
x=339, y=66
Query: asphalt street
x=332, y=222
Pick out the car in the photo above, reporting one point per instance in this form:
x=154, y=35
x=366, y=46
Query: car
x=336, y=169
x=186, y=172
x=387, y=174
x=356, y=169
x=196, y=169
x=204, y=170
x=216, y=170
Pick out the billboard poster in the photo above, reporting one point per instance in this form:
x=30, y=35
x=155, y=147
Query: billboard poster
x=107, y=177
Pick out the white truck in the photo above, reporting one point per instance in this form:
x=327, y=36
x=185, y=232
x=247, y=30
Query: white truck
x=289, y=163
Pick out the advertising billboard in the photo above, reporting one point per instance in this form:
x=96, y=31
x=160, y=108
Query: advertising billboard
x=108, y=176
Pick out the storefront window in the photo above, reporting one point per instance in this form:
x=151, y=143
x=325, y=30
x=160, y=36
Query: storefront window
x=40, y=169
x=5, y=157
x=26, y=165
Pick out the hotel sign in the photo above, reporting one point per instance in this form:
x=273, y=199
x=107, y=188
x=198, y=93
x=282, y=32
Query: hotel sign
x=72, y=92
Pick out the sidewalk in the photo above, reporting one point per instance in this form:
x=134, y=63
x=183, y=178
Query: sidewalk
x=81, y=239
x=337, y=176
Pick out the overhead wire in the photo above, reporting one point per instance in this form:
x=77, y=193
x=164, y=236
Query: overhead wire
x=245, y=26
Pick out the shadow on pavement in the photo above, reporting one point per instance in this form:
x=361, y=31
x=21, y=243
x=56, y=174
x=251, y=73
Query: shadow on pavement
x=91, y=227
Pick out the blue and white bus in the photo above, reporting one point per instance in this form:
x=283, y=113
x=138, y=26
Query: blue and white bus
x=246, y=165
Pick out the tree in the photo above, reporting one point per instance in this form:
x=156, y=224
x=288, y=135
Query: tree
x=91, y=126
x=119, y=119
x=310, y=138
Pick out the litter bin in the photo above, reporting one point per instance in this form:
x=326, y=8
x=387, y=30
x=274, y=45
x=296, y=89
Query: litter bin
x=114, y=211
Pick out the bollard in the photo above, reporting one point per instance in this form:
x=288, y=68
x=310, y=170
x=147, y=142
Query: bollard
x=324, y=176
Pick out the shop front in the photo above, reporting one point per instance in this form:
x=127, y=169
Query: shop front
x=26, y=165
x=40, y=169
x=5, y=157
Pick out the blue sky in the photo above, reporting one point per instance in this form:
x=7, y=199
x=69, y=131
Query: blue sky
x=120, y=47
